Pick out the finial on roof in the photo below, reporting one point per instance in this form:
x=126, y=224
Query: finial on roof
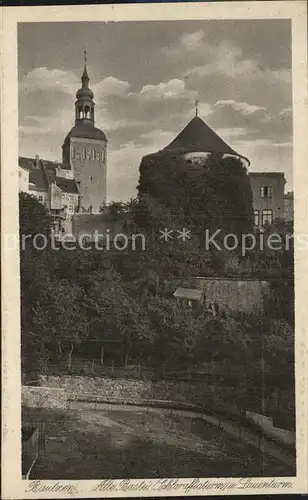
x=196, y=105
x=85, y=72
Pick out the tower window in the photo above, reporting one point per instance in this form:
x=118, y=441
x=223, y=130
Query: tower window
x=267, y=216
x=266, y=192
x=73, y=152
x=84, y=153
x=256, y=214
x=98, y=155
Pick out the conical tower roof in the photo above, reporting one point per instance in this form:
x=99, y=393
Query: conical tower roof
x=197, y=136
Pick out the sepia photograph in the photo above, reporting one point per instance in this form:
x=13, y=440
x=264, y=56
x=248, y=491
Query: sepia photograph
x=156, y=194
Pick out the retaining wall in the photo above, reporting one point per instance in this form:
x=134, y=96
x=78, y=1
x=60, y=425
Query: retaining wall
x=185, y=392
x=43, y=397
x=266, y=424
x=244, y=295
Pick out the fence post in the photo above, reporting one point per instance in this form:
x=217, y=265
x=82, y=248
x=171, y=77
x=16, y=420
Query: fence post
x=41, y=439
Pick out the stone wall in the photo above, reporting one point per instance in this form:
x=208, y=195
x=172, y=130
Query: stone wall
x=245, y=295
x=267, y=426
x=43, y=397
x=184, y=392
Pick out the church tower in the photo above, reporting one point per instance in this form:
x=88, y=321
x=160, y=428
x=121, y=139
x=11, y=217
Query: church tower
x=85, y=150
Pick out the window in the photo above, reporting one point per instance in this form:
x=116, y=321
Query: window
x=84, y=153
x=73, y=152
x=70, y=209
x=267, y=216
x=40, y=198
x=98, y=156
x=256, y=214
x=93, y=154
x=266, y=191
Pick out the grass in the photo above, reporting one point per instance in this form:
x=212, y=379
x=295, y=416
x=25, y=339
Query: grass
x=129, y=444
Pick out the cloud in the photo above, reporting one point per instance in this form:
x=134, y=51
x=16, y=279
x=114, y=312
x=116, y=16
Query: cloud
x=173, y=89
x=110, y=86
x=225, y=58
x=44, y=79
x=192, y=41
x=59, y=122
x=47, y=80
x=242, y=107
x=238, y=115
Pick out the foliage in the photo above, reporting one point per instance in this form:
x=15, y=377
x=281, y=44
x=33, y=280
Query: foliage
x=33, y=216
x=214, y=195
x=73, y=296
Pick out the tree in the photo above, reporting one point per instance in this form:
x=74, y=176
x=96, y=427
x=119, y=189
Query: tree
x=114, y=314
x=33, y=216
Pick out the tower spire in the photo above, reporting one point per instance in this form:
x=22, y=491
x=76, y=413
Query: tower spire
x=85, y=78
x=84, y=105
x=196, y=106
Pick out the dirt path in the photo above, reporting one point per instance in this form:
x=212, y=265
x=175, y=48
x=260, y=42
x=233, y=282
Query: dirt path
x=122, y=444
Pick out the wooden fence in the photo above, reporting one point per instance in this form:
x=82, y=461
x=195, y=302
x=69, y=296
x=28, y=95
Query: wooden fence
x=33, y=446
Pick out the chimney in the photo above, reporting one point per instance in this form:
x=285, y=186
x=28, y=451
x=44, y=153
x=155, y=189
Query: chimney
x=37, y=161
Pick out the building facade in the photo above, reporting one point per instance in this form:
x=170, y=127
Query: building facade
x=268, y=196
x=289, y=206
x=58, y=192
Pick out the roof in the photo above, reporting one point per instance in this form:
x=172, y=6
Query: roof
x=28, y=163
x=188, y=293
x=67, y=185
x=86, y=130
x=198, y=136
x=43, y=172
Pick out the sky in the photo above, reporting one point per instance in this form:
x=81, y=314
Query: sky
x=146, y=76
